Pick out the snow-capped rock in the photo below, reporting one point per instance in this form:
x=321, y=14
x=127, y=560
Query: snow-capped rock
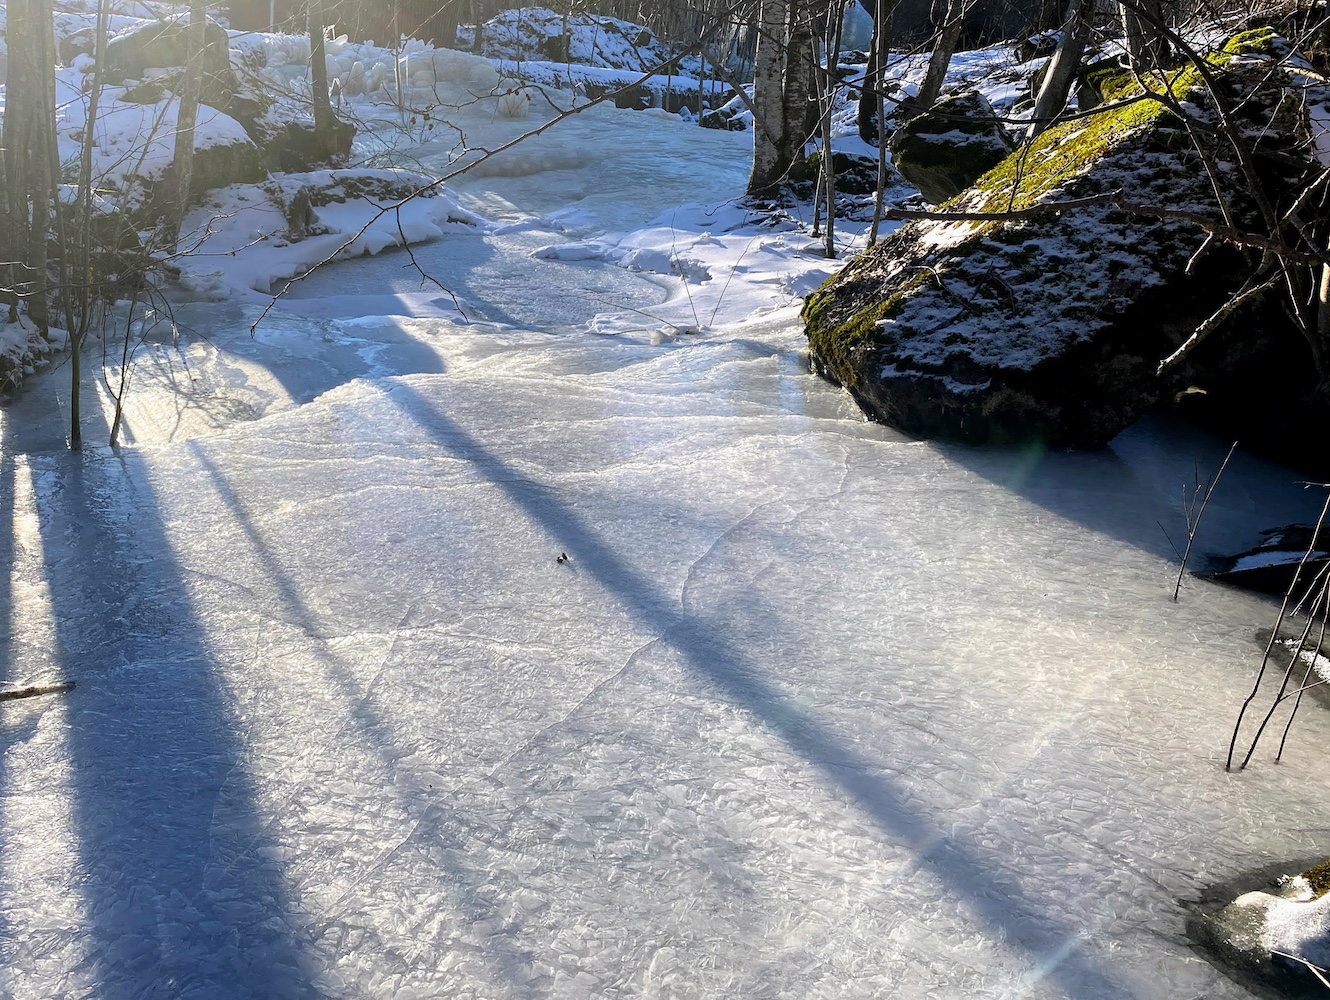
x=1052, y=326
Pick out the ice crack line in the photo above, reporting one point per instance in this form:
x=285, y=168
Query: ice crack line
x=732, y=529
x=596, y=689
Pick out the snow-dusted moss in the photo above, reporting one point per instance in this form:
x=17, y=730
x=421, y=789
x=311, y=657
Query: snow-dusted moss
x=1051, y=325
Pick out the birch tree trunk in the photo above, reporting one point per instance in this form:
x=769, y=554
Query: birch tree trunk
x=769, y=96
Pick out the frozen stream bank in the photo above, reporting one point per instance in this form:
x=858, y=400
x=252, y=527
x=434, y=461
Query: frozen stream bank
x=811, y=710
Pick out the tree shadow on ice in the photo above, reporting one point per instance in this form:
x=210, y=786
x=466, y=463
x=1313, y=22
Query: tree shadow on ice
x=388, y=763
x=179, y=896
x=1133, y=490
x=711, y=653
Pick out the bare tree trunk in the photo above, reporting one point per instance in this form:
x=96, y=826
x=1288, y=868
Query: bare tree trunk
x=29, y=146
x=769, y=97
x=182, y=166
x=801, y=83
x=8, y=252
x=324, y=122
x=835, y=25
x=940, y=59
x=1064, y=66
x=1147, y=48
x=881, y=48
x=477, y=13
x=83, y=266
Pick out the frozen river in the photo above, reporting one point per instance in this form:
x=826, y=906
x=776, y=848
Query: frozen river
x=810, y=710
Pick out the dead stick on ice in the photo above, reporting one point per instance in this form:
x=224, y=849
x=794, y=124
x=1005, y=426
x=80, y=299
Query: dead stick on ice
x=36, y=690
x=1192, y=526
x=1317, y=971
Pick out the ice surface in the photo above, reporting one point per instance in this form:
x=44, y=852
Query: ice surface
x=811, y=710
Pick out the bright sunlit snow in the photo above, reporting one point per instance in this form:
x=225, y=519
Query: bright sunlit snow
x=809, y=710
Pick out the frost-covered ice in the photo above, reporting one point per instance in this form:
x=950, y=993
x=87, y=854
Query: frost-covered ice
x=811, y=710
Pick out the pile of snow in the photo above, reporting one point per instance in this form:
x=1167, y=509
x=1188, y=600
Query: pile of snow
x=414, y=72
x=23, y=348
x=248, y=238
x=537, y=34
x=134, y=144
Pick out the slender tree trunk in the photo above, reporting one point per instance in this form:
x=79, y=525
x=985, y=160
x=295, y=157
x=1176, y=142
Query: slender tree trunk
x=939, y=61
x=1064, y=66
x=881, y=48
x=182, y=166
x=835, y=25
x=83, y=266
x=324, y=123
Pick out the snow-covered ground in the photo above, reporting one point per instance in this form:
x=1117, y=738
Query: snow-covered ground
x=809, y=710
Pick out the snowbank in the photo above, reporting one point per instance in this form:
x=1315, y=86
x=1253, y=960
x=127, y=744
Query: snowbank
x=539, y=34
x=247, y=239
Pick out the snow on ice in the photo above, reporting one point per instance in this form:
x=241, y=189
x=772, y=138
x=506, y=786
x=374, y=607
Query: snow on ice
x=809, y=710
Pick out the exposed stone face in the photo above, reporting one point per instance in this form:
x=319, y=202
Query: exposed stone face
x=218, y=166
x=946, y=149
x=165, y=46
x=1051, y=327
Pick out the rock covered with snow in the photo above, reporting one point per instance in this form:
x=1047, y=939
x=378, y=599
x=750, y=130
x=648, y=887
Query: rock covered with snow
x=1277, y=935
x=251, y=238
x=949, y=147
x=135, y=146
x=1052, y=326
x=540, y=34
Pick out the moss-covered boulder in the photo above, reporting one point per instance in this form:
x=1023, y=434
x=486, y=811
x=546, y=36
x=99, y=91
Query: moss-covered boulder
x=1052, y=326
x=946, y=149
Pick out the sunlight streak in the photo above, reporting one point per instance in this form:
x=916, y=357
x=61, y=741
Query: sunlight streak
x=39, y=863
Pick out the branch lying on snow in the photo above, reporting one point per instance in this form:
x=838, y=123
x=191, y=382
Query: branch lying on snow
x=1115, y=200
x=36, y=690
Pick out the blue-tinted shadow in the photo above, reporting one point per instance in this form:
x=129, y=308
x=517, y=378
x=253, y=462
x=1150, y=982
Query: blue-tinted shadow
x=180, y=896
x=712, y=655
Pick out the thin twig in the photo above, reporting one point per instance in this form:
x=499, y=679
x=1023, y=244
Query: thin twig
x=1192, y=526
x=1274, y=635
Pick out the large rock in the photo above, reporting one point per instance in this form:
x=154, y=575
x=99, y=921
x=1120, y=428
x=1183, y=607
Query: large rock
x=162, y=45
x=1266, y=937
x=1052, y=326
x=946, y=149
x=221, y=164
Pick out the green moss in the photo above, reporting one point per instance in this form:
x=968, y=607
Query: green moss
x=1257, y=41
x=1064, y=152
x=1111, y=83
x=1060, y=154
x=1319, y=879
x=834, y=343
